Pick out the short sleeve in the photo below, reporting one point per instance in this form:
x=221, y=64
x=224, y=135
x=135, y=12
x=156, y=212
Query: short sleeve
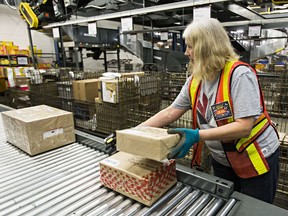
x=182, y=101
x=245, y=93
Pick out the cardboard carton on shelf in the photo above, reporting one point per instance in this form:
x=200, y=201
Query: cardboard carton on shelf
x=38, y=129
x=85, y=90
x=115, y=90
x=148, y=142
x=139, y=178
x=21, y=81
x=109, y=90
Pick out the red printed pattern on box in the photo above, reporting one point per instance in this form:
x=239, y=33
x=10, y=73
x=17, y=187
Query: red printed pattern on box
x=147, y=188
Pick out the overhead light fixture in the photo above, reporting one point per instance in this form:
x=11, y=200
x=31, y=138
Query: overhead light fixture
x=240, y=31
x=177, y=23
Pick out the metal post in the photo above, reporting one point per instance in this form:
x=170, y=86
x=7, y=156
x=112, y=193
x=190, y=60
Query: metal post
x=118, y=51
x=62, y=47
x=105, y=60
x=31, y=47
x=174, y=41
x=76, y=57
x=118, y=58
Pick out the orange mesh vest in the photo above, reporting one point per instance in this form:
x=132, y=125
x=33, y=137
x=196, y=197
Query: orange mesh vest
x=244, y=155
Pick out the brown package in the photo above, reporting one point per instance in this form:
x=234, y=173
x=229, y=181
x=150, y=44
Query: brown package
x=139, y=178
x=38, y=129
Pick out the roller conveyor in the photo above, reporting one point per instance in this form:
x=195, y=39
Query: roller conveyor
x=66, y=181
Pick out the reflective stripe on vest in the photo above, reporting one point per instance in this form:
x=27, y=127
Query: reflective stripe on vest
x=250, y=162
x=258, y=128
x=194, y=89
x=224, y=93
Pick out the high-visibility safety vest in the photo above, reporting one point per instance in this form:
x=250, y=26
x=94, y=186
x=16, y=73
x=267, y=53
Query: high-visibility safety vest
x=244, y=155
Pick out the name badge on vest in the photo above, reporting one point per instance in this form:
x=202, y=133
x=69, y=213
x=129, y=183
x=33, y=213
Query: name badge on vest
x=221, y=111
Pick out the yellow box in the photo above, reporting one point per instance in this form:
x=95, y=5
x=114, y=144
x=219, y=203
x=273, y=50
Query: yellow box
x=13, y=52
x=23, y=52
x=7, y=43
x=4, y=62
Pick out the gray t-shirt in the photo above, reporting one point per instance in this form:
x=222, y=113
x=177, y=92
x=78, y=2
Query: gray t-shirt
x=246, y=102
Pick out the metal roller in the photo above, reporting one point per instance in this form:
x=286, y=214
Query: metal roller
x=92, y=204
x=84, y=197
x=212, y=207
x=185, y=203
x=34, y=189
x=170, y=204
x=132, y=210
x=227, y=207
x=198, y=205
x=118, y=209
x=105, y=206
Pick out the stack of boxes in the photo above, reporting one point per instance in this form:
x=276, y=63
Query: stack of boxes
x=14, y=63
x=139, y=170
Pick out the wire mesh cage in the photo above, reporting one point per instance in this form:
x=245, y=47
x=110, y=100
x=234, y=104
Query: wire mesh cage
x=105, y=113
x=171, y=84
x=281, y=197
x=133, y=94
x=275, y=89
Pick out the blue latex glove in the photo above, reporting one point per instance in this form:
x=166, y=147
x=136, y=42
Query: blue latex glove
x=188, y=138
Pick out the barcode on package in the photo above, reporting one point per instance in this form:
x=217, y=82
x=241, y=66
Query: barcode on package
x=111, y=162
x=51, y=133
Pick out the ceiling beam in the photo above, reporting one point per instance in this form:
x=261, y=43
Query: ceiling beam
x=266, y=24
x=135, y=12
x=241, y=11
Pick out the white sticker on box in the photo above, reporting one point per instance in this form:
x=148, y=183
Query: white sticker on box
x=51, y=133
x=111, y=162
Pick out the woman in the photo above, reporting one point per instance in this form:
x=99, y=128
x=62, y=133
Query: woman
x=228, y=113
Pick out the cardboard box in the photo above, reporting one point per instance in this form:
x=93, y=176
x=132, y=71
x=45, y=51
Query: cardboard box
x=118, y=90
x=3, y=84
x=148, y=142
x=38, y=129
x=109, y=91
x=2, y=72
x=139, y=178
x=21, y=81
x=85, y=90
x=279, y=67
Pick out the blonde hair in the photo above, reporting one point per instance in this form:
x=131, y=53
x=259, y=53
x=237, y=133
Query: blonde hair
x=211, y=48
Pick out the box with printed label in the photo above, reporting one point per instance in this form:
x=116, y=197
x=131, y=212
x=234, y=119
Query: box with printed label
x=109, y=91
x=118, y=90
x=139, y=178
x=38, y=129
x=149, y=142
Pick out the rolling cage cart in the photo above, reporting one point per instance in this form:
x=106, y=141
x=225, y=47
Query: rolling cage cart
x=65, y=181
x=139, y=99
